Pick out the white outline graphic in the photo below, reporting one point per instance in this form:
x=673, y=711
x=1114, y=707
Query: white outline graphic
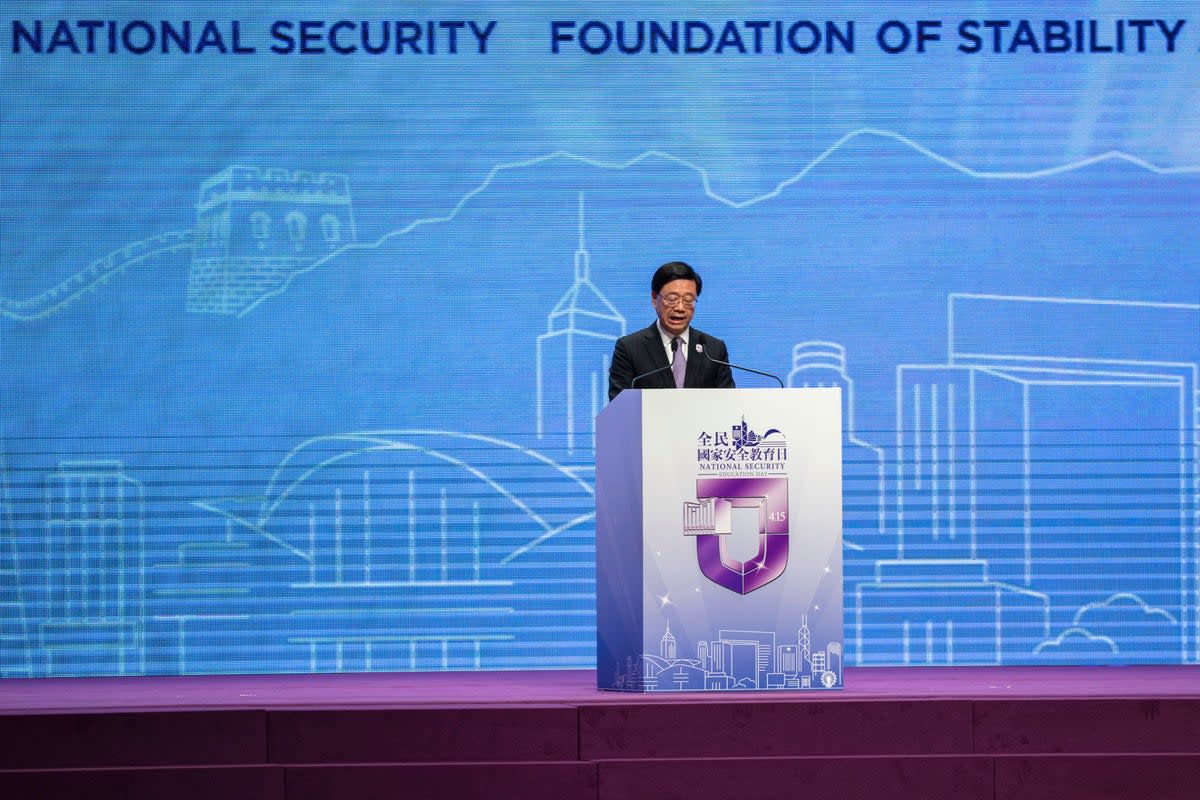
x=451, y=573
x=96, y=566
x=77, y=284
x=1027, y=370
x=1074, y=632
x=939, y=409
x=95, y=275
x=1145, y=607
x=586, y=379
x=15, y=644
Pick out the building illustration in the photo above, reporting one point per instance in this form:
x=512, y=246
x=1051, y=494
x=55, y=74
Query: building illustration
x=15, y=645
x=255, y=228
x=864, y=486
x=1035, y=503
x=95, y=556
x=996, y=498
x=573, y=357
x=735, y=659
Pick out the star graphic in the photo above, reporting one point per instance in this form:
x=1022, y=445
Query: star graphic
x=664, y=600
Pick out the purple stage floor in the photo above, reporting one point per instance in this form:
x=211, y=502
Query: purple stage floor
x=571, y=687
x=920, y=733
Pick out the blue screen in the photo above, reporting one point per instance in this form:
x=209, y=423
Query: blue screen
x=307, y=309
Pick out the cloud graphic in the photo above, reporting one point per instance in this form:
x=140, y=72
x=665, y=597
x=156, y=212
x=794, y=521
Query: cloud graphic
x=1077, y=645
x=1122, y=604
x=1141, y=631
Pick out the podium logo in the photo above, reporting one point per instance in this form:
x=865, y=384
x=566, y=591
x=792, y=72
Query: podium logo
x=741, y=450
x=710, y=520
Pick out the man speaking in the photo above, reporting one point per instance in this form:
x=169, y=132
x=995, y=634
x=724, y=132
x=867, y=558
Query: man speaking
x=670, y=354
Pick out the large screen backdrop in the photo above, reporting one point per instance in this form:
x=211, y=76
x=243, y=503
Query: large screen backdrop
x=307, y=310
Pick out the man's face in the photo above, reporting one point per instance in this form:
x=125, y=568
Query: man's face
x=675, y=304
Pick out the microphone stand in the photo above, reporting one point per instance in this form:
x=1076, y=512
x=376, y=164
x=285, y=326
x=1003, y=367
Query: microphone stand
x=745, y=369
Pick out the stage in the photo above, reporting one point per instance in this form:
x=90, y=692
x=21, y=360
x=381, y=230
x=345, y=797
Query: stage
x=896, y=733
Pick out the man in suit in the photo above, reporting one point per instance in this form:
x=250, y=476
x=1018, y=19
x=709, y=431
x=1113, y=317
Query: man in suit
x=683, y=356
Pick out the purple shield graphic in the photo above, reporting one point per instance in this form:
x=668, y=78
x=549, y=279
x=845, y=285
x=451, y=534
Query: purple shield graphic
x=710, y=521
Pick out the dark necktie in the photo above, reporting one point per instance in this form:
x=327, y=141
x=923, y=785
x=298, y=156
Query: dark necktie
x=679, y=365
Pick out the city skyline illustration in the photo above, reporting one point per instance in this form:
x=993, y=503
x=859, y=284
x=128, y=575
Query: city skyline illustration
x=1020, y=481
x=735, y=660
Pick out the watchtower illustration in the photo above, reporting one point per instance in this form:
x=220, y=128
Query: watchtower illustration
x=255, y=228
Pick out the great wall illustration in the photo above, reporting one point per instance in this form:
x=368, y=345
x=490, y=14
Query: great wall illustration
x=254, y=229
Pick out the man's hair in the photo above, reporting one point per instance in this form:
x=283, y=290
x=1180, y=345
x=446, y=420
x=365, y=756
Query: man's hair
x=674, y=271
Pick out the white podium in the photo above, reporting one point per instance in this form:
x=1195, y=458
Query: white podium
x=719, y=540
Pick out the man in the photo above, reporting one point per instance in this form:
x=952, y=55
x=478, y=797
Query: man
x=682, y=355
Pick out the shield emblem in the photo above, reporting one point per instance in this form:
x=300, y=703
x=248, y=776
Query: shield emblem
x=711, y=521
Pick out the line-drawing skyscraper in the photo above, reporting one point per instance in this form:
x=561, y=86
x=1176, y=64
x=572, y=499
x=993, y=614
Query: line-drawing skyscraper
x=15, y=652
x=666, y=647
x=1123, y=472
x=573, y=358
x=95, y=575
x=1021, y=462
x=823, y=364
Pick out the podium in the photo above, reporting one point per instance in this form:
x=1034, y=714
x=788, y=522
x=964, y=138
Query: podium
x=719, y=540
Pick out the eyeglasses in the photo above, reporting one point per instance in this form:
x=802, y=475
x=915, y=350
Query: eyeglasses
x=671, y=300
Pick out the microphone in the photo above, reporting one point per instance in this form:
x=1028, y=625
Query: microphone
x=674, y=347
x=701, y=349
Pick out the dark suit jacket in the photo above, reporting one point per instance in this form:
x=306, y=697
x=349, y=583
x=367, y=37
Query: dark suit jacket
x=642, y=351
